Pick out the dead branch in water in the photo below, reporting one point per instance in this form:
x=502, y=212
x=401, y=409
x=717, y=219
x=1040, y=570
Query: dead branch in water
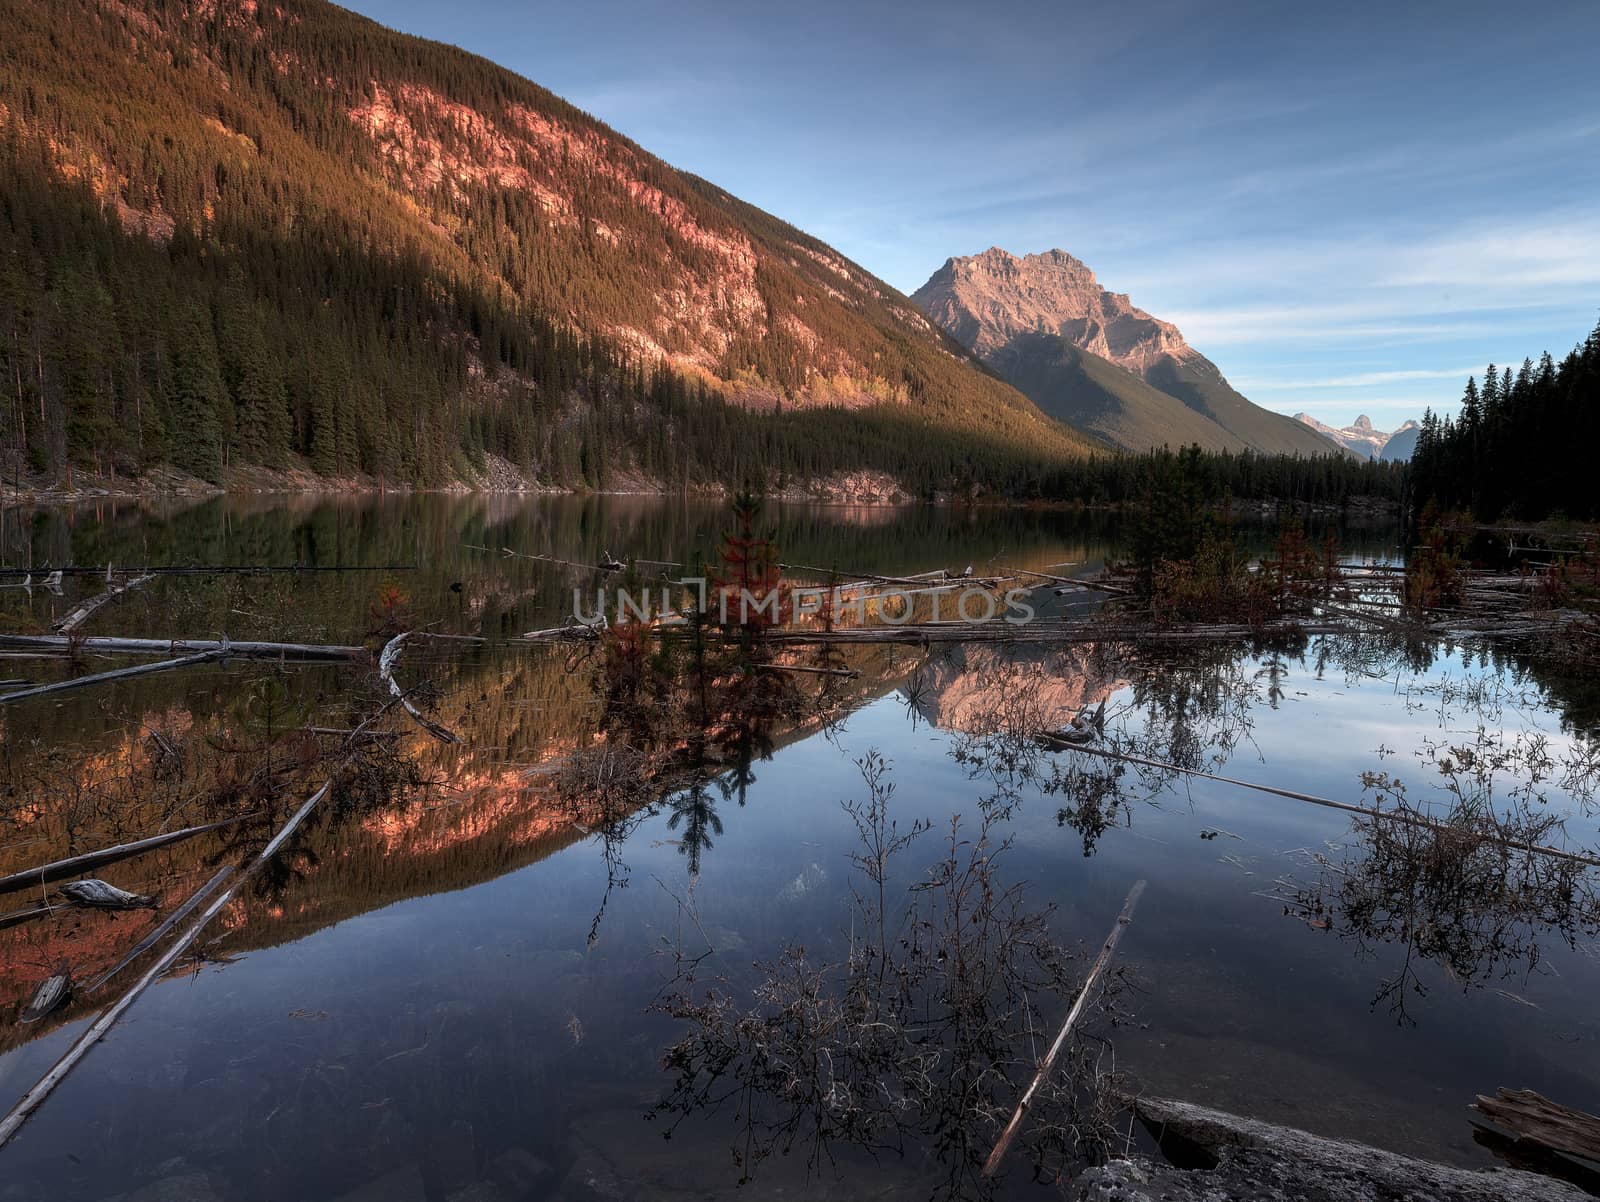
x=1107, y=950
x=82, y=614
x=160, y=931
x=1061, y=744
x=386, y=660
x=108, y=855
x=42, y=1089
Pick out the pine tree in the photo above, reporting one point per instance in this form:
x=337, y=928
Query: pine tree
x=198, y=394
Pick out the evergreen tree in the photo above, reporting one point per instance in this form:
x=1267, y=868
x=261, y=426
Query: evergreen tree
x=199, y=396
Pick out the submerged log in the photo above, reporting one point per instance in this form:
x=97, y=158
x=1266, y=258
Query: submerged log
x=166, y=924
x=82, y=614
x=73, y=865
x=83, y=682
x=42, y=1089
x=1107, y=950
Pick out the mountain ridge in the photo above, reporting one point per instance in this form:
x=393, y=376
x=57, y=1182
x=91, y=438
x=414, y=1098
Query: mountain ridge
x=1019, y=313
x=434, y=261
x=1363, y=439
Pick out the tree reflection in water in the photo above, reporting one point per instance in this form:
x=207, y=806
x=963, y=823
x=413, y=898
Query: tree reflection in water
x=1461, y=896
x=918, y=1039
x=1447, y=884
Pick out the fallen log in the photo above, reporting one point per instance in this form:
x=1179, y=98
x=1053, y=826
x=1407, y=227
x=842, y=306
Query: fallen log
x=1533, y=1117
x=244, y=650
x=243, y=569
x=1107, y=950
x=42, y=1089
x=82, y=614
x=73, y=865
x=1228, y=1156
x=81, y=682
x=166, y=924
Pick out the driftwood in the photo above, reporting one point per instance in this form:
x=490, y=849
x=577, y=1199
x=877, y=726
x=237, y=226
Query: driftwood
x=42, y=1089
x=1255, y=1160
x=99, y=895
x=53, y=991
x=1063, y=744
x=386, y=660
x=82, y=614
x=1535, y=1118
x=81, y=682
x=244, y=650
x=73, y=865
x=166, y=924
x=1101, y=962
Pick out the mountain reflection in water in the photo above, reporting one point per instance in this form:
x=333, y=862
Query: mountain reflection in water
x=446, y=984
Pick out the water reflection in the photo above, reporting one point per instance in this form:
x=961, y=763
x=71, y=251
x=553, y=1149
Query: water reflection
x=445, y=983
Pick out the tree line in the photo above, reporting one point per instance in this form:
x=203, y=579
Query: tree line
x=1521, y=445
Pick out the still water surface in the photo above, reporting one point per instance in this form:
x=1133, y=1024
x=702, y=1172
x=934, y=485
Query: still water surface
x=449, y=996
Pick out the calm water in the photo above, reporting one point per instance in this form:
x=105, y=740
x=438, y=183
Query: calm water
x=448, y=994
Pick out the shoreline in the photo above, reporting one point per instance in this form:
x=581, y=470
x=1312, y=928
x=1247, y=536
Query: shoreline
x=168, y=490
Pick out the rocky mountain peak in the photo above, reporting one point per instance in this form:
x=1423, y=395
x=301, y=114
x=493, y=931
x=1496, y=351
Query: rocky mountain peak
x=987, y=299
x=1015, y=312
x=1363, y=438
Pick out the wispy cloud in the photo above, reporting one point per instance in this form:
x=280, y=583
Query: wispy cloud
x=1359, y=380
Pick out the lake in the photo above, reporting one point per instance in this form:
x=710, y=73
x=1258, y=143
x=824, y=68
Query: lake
x=462, y=981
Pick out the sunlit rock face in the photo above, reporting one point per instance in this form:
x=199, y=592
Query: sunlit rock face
x=986, y=300
x=1044, y=323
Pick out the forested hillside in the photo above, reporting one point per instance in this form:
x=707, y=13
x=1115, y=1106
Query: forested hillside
x=1522, y=445
x=237, y=234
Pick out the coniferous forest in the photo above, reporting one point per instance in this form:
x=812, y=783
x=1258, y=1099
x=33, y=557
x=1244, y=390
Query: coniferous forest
x=1521, y=445
x=227, y=241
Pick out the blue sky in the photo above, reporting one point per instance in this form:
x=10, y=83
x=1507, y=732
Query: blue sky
x=1348, y=207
